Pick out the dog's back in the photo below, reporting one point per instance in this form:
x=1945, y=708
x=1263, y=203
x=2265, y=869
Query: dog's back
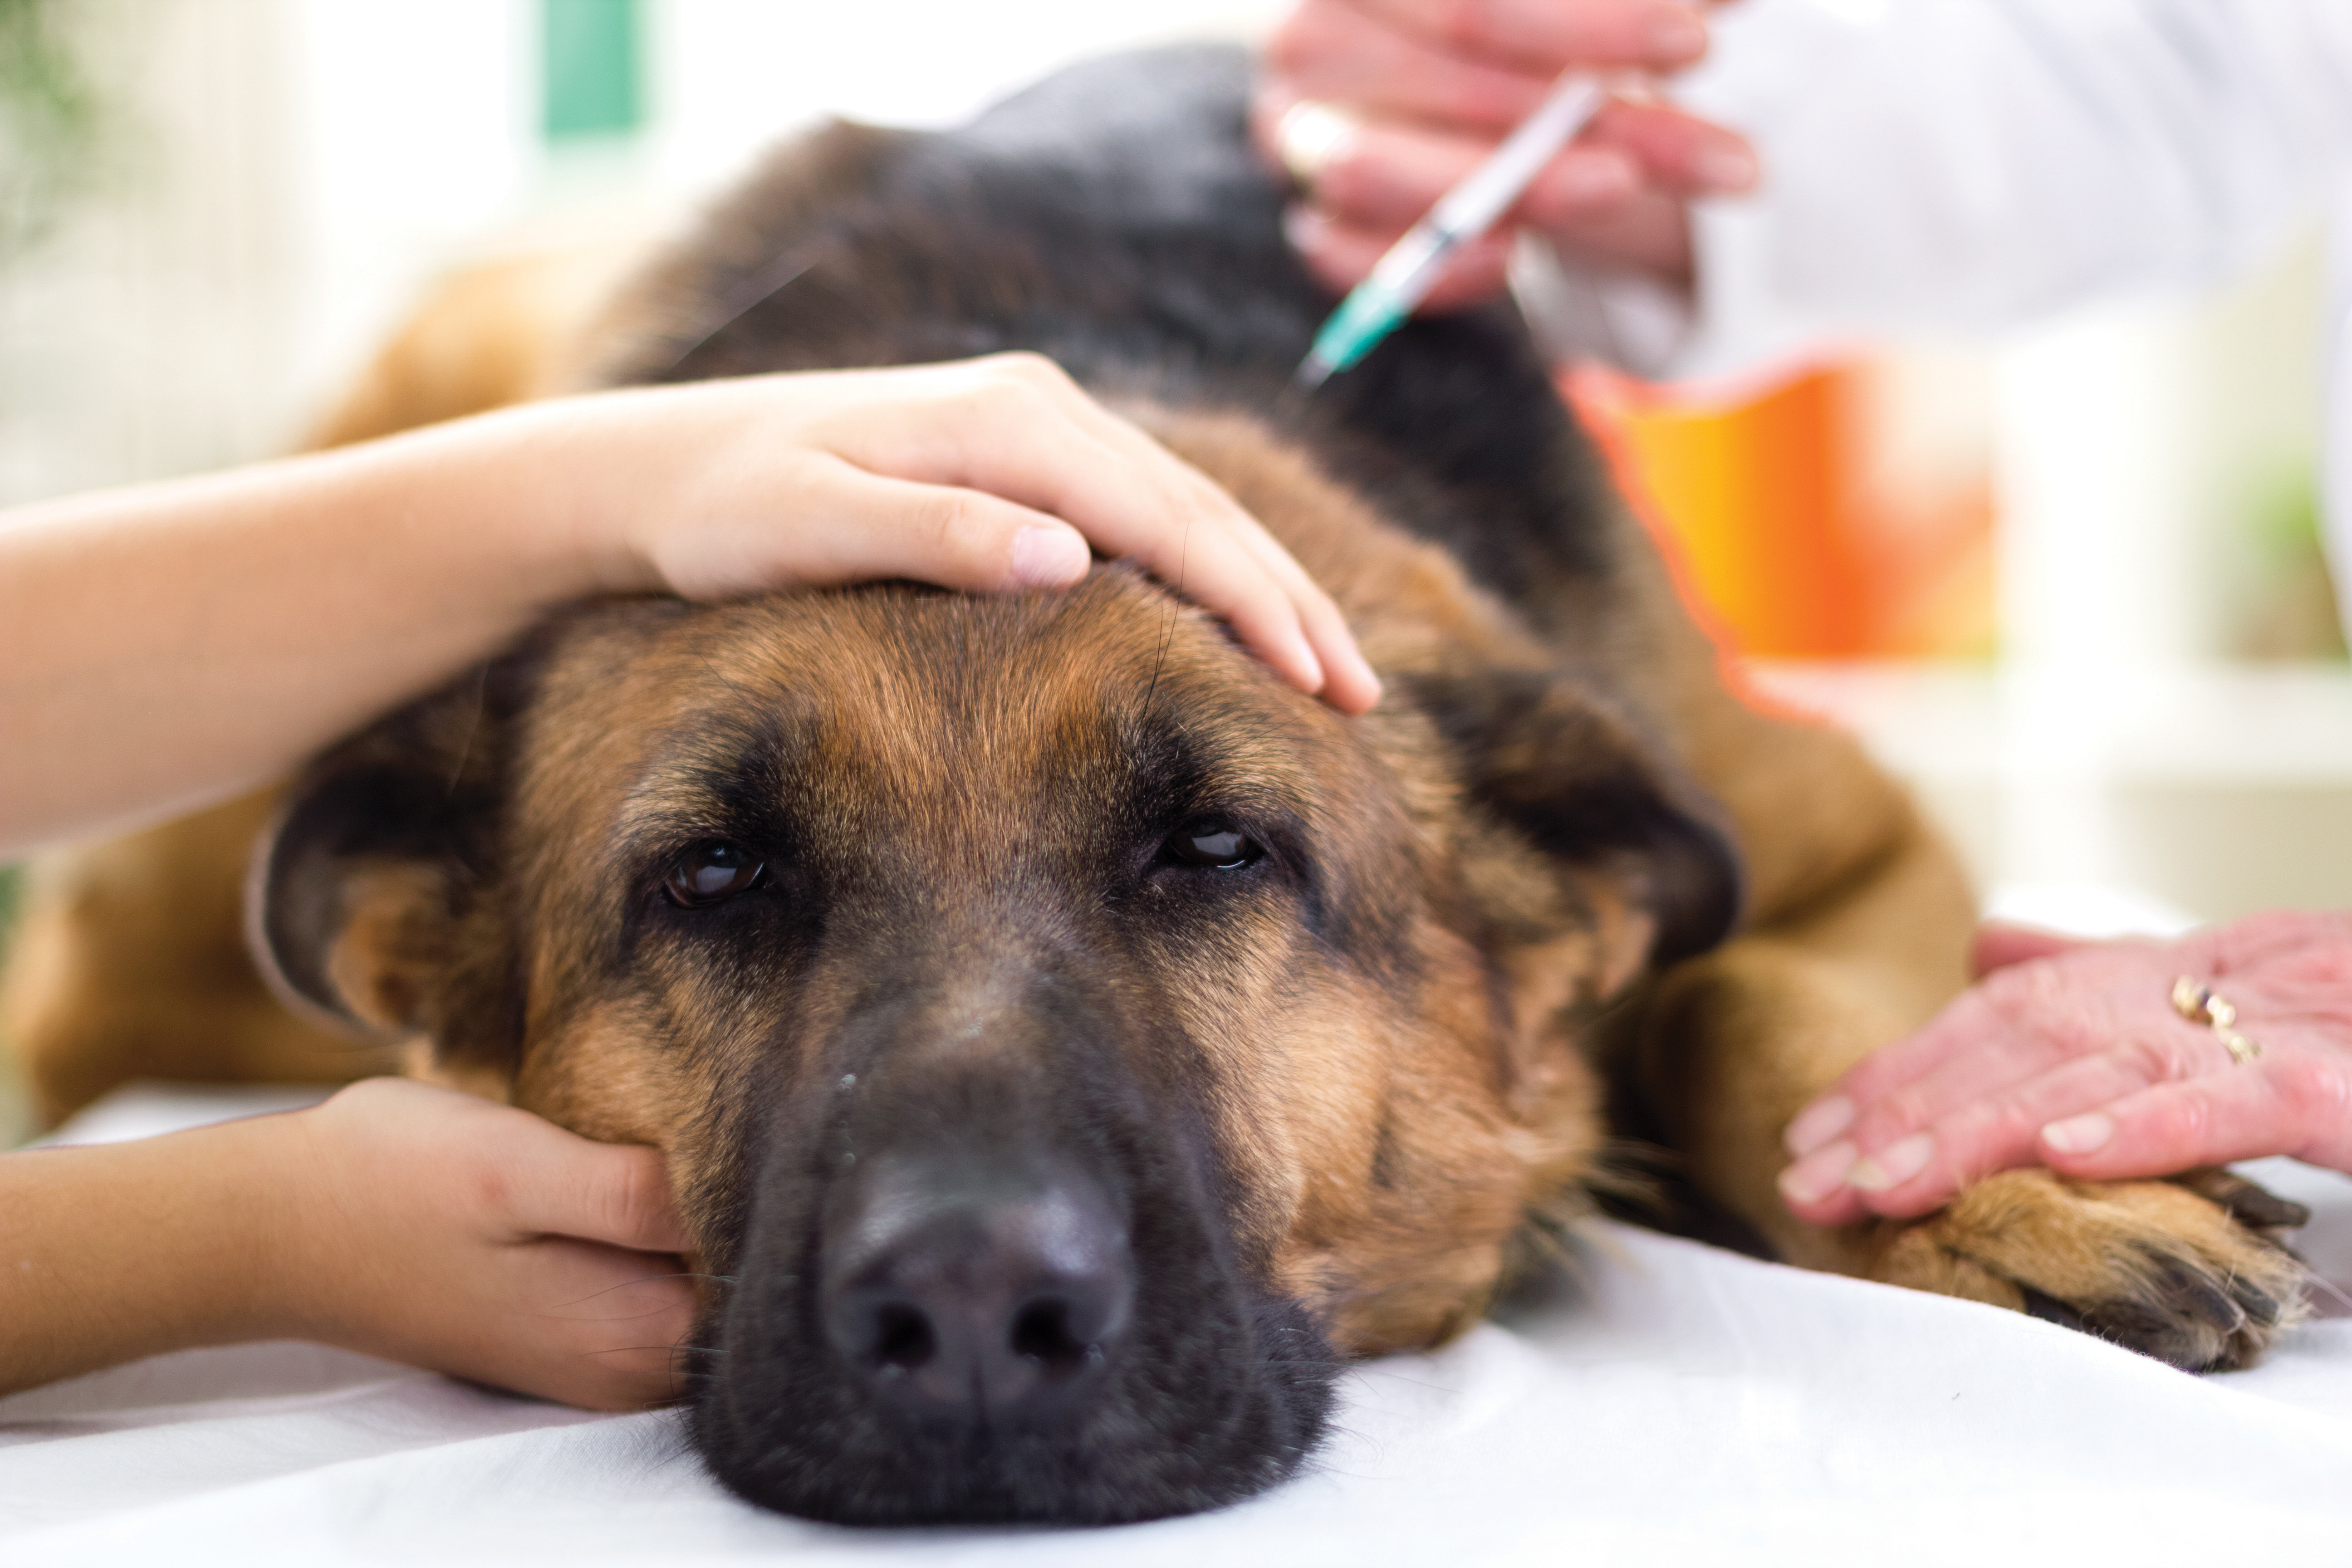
x=1118, y=220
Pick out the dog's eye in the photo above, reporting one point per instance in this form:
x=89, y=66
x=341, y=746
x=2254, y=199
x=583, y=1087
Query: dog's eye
x=1211, y=841
x=708, y=873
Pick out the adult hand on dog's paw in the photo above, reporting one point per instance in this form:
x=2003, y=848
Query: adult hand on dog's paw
x=2074, y=1055
x=990, y=474
x=435, y=1228
x=1378, y=106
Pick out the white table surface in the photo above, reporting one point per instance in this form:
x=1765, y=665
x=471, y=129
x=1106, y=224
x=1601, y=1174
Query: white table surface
x=1669, y=1403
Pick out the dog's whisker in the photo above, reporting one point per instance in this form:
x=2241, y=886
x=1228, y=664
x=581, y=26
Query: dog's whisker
x=473, y=727
x=1160, y=662
x=623, y=1285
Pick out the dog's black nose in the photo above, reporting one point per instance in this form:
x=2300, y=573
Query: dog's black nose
x=960, y=1296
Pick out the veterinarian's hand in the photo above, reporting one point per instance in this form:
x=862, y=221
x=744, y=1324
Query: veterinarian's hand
x=995, y=473
x=2072, y=1055
x=1378, y=106
x=435, y=1228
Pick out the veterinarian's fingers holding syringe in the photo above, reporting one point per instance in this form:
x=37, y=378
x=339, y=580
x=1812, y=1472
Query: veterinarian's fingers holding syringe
x=1377, y=107
x=1373, y=181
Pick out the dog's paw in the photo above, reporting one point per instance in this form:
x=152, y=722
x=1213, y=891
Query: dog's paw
x=2193, y=1271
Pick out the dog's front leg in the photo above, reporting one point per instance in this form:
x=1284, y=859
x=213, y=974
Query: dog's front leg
x=1733, y=1045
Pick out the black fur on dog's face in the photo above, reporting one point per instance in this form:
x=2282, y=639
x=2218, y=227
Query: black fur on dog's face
x=1066, y=1039
x=961, y=1053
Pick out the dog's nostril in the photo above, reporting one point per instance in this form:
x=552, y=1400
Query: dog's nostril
x=1042, y=1332
x=902, y=1337
x=963, y=1297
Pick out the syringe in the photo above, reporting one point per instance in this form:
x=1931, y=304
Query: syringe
x=1403, y=277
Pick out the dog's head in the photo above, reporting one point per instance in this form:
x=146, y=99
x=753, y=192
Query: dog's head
x=1063, y=1035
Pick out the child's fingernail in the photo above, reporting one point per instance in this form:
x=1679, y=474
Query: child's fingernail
x=1725, y=168
x=1818, y=1175
x=1309, y=668
x=1049, y=557
x=2080, y=1135
x=1818, y=1123
x=1893, y=1166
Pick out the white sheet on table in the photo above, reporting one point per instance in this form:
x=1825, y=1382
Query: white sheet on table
x=1679, y=1404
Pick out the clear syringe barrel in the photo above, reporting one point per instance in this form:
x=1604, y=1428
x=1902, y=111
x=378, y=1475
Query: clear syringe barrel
x=1472, y=206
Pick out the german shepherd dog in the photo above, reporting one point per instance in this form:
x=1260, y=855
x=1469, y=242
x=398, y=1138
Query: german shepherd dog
x=1068, y=1041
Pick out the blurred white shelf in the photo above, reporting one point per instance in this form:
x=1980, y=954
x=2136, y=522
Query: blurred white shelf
x=2217, y=790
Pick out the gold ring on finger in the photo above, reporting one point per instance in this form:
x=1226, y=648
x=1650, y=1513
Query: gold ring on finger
x=2200, y=1003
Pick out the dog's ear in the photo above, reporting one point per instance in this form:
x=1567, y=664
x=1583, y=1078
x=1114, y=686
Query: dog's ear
x=373, y=899
x=1574, y=777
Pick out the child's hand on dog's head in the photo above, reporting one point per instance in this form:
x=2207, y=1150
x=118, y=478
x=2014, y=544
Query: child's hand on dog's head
x=995, y=473
x=398, y=1218
x=253, y=616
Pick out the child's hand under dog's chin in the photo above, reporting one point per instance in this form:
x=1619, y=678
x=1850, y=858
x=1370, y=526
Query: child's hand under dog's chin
x=398, y=1219
x=437, y=1228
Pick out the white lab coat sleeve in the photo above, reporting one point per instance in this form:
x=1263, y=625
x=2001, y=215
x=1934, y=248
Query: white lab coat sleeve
x=1934, y=166
x=1628, y=319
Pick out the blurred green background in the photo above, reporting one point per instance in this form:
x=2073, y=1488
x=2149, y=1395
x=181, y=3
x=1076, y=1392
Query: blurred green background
x=16, y=1120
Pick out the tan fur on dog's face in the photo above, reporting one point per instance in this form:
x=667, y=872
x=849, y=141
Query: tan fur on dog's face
x=1310, y=1095
x=1380, y=1141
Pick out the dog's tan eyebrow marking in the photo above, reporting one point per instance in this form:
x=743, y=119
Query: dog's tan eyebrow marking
x=721, y=775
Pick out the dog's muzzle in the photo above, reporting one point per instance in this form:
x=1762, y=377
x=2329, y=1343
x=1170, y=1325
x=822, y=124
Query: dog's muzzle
x=969, y=1294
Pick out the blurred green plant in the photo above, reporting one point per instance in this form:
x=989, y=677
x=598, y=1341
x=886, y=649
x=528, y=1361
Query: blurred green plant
x=2286, y=598
x=49, y=119
x=590, y=57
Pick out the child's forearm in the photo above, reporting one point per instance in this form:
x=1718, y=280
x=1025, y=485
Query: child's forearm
x=130, y=1249
x=397, y=1219
x=170, y=644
